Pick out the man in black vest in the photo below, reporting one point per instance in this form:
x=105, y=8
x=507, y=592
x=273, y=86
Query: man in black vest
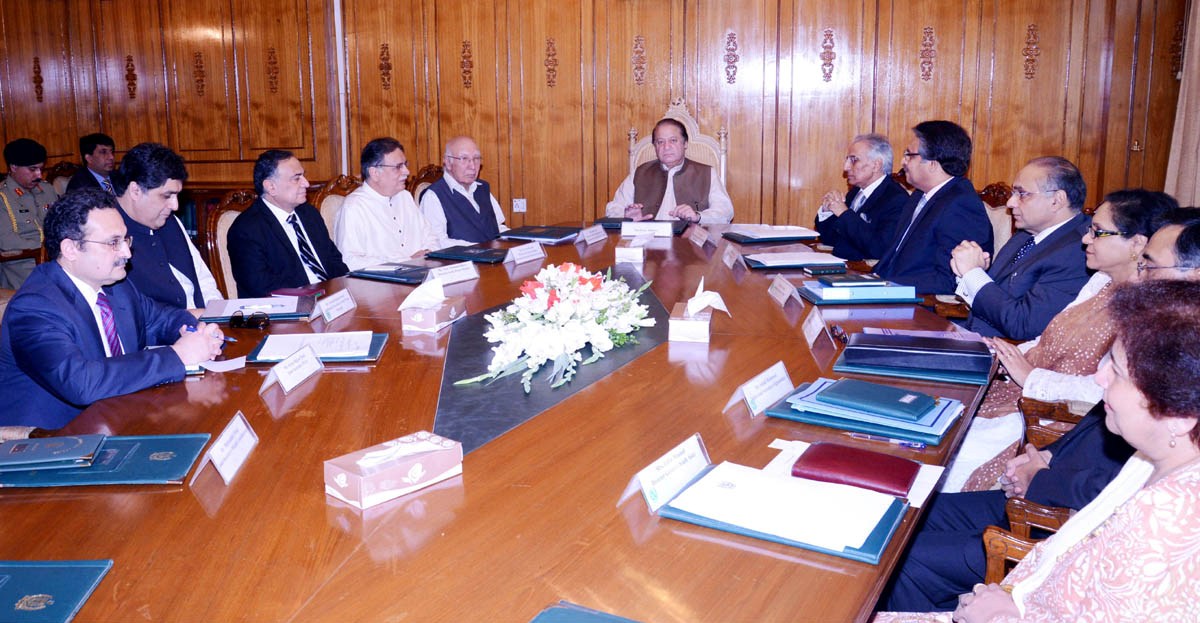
x=460, y=207
x=672, y=187
x=167, y=267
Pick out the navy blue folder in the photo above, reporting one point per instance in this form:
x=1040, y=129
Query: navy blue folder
x=50, y=591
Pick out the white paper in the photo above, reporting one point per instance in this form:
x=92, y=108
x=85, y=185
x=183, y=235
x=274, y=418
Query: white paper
x=822, y=514
x=789, y=451
x=228, y=365
x=768, y=231
x=795, y=258
x=268, y=305
x=704, y=299
x=428, y=295
x=341, y=344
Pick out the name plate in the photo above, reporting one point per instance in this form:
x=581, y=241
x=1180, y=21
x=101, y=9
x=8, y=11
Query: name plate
x=230, y=450
x=663, y=479
x=763, y=390
x=698, y=236
x=781, y=290
x=732, y=255
x=335, y=305
x=454, y=273
x=592, y=235
x=814, y=326
x=294, y=370
x=631, y=251
x=657, y=229
x=525, y=253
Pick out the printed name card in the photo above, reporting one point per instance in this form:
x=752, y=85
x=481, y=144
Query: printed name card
x=698, y=235
x=230, y=450
x=781, y=290
x=763, y=390
x=454, y=273
x=814, y=326
x=525, y=253
x=334, y=306
x=294, y=370
x=663, y=479
x=632, y=251
x=657, y=229
x=732, y=255
x=592, y=235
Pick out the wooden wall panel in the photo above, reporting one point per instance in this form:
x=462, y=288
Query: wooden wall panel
x=198, y=42
x=1155, y=90
x=129, y=72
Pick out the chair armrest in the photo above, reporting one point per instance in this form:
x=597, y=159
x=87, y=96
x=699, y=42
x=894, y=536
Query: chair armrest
x=1002, y=547
x=1036, y=411
x=1023, y=515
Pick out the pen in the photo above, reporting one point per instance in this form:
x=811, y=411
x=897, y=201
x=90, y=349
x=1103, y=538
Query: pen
x=912, y=445
x=226, y=338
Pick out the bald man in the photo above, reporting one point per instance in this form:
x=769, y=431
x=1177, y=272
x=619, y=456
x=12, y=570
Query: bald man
x=456, y=206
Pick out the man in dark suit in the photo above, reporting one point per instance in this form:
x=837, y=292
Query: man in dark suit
x=77, y=331
x=862, y=225
x=280, y=241
x=99, y=159
x=946, y=558
x=1042, y=267
x=942, y=212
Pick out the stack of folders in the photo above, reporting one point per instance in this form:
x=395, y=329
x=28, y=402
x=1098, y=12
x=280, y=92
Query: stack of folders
x=856, y=290
x=98, y=460
x=871, y=408
x=917, y=357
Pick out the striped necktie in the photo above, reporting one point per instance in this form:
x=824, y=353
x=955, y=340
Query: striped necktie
x=110, y=326
x=306, y=252
x=108, y=186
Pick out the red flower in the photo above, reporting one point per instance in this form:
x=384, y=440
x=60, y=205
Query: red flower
x=530, y=288
x=552, y=299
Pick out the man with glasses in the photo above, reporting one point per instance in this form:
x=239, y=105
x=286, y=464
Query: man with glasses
x=460, y=207
x=25, y=198
x=1173, y=252
x=379, y=222
x=168, y=267
x=78, y=331
x=672, y=187
x=861, y=225
x=942, y=212
x=99, y=161
x=1041, y=268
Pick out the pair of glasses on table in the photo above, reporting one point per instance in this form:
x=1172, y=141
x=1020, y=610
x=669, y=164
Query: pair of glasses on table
x=257, y=320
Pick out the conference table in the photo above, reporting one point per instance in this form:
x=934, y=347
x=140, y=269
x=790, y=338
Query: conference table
x=537, y=515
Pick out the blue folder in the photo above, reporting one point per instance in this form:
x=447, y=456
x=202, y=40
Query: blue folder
x=49, y=591
x=567, y=612
x=149, y=459
x=924, y=374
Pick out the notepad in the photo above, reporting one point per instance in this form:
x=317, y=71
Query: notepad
x=348, y=344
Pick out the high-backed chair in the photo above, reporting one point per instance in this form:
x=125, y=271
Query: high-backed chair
x=331, y=196
x=60, y=175
x=219, y=220
x=701, y=147
x=995, y=198
x=1003, y=547
x=428, y=174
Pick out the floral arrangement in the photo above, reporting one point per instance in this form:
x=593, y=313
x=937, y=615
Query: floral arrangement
x=560, y=311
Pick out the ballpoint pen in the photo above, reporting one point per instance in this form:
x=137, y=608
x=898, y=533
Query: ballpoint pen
x=912, y=445
x=226, y=338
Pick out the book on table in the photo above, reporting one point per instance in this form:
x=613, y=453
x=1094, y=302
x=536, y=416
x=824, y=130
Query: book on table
x=49, y=452
x=48, y=591
x=852, y=280
x=344, y=346
x=796, y=259
x=145, y=459
x=928, y=358
x=543, y=234
x=394, y=272
x=818, y=294
x=276, y=307
x=762, y=234
x=469, y=253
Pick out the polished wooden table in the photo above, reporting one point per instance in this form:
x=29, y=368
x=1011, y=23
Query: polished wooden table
x=533, y=519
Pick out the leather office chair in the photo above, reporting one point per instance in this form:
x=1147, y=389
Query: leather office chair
x=994, y=198
x=428, y=174
x=60, y=175
x=219, y=220
x=701, y=147
x=1004, y=547
x=331, y=196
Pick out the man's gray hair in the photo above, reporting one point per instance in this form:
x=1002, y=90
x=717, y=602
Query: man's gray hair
x=879, y=148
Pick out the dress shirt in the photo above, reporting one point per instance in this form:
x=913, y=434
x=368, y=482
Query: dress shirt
x=431, y=208
x=282, y=217
x=720, y=207
x=208, y=284
x=90, y=295
x=859, y=200
x=372, y=229
x=975, y=279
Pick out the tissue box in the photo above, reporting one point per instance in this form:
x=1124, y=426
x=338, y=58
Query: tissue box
x=432, y=319
x=391, y=469
x=627, y=253
x=684, y=328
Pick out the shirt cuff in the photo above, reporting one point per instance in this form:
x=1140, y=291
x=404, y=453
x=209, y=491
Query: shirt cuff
x=823, y=215
x=971, y=283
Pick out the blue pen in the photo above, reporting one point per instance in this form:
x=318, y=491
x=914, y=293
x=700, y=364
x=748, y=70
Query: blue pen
x=912, y=445
x=226, y=338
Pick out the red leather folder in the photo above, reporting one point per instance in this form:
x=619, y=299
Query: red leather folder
x=846, y=465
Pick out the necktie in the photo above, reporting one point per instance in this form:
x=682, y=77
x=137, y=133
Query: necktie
x=859, y=200
x=108, y=186
x=916, y=213
x=306, y=252
x=110, y=326
x=1021, y=253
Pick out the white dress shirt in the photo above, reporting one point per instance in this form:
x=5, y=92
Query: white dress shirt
x=431, y=208
x=372, y=229
x=208, y=285
x=720, y=207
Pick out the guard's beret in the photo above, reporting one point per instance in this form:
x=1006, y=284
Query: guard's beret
x=24, y=152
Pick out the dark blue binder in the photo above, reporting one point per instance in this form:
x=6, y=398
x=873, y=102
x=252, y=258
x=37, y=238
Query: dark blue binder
x=150, y=459
x=50, y=591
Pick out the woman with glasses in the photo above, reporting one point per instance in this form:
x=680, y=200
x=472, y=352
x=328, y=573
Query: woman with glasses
x=1060, y=363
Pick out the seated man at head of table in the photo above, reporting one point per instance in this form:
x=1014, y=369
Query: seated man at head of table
x=167, y=267
x=280, y=241
x=861, y=225
x=379, y=222
x=672, y=187
x=25, y=197
x=98, y=160
x=1041, y=268
x=77, y=331
x=460, y=207
x=943, y=211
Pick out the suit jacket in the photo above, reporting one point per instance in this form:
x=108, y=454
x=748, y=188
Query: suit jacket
x=870, y=232
x=263, y=257
x=1025, y=295
x=52, y=362
x=1084, y=460
x=922, y=259
x=83, y=178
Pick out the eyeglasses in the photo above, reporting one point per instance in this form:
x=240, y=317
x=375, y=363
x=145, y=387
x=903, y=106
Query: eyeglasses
x=402, y=165
x=114, y=244
x=257, y=320
x=1023, y=194
x=852, y=159
x=471, y=159
x=1104, y=233
x=1143, y=266
x=911, y=154
x=839, y=334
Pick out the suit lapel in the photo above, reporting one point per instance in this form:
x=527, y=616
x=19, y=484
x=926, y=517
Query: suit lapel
x=126, y=318
x=85, y=316
x=1002, y=260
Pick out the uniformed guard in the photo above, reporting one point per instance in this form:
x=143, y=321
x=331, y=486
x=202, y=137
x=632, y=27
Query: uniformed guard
x=25, y=198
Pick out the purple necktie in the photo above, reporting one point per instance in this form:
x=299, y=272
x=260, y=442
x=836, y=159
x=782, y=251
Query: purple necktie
x=110, y=326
